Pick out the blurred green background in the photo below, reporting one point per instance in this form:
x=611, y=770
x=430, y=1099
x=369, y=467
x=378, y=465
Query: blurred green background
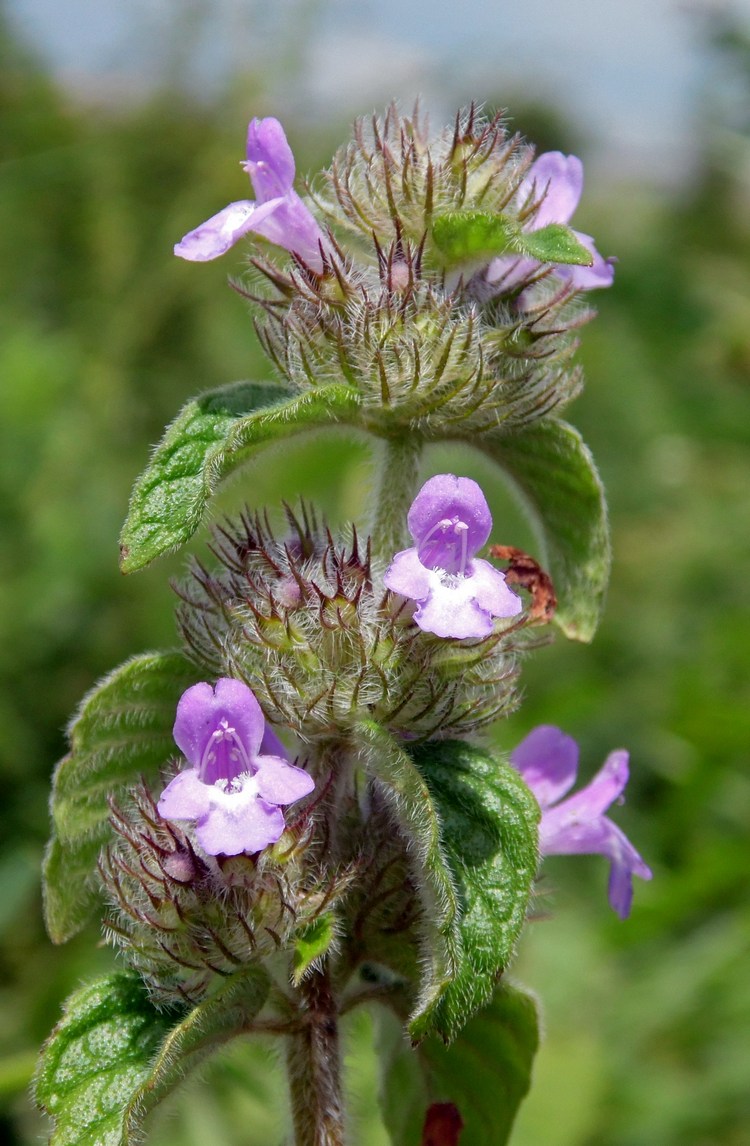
x=103, y=335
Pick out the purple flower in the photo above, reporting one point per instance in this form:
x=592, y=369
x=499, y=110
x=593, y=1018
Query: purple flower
x=238, y=778
x=555, y=181
x=457, y=594
x=548, y=762
x=278, y=213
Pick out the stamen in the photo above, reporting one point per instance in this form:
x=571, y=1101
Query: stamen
x=443, y=525
x=462, y=528
x=235, y=753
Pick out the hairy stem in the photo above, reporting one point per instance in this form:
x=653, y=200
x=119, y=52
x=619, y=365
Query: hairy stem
x=314, y=1065
x=397, y=467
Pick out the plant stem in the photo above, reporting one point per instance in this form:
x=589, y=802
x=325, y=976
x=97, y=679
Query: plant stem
x=314, y=1065
x=397, y=468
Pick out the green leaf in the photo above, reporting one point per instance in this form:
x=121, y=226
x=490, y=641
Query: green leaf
x=485, y=1073
x=211, y=438
x=488, y=826
x=555, y=476
x=555, y=243
x=416, y=815
x=461, y=236
x=311, y=943
x=123, y=730
x=113, y=1056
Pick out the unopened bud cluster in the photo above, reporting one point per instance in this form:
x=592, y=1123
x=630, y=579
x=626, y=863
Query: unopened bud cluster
x=323, y=645
x=185, y=918
x=431, y=348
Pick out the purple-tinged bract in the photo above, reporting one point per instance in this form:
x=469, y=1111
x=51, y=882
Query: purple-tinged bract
x=457, y=593
x=237, y=781
x=555, y=182
x=277, y=214
x=548, y=762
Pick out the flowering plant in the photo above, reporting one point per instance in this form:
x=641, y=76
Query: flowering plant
x=336, y=831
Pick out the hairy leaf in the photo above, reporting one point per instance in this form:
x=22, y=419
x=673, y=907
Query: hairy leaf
x=488, y=827
x=555, y=243
x=212, y=437
x=123, y=730
x=554, y=474
x=485, y=1073
x=312, y=943
x=113, y=1056
x=462, y=236
x=415, y=813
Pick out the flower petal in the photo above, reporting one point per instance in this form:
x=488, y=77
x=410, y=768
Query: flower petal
x=445, y=497
x=281, y=783
x=603, y=790
x=200, y=713
x=451, y=610
x=238, y=821
x=270, y=745
x=215, y=237
x=185, y=797
x=625, y=862
x=291, y=225
x=548, y=762
x=559, y=834
x=408, y=576
x=600, y=274
x=270, y=162
x=491, y=591
x=509, y=271
x=556, y=182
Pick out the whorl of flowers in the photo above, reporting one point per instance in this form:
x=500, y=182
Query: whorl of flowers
x=307, y=624
x=184, y=918
x=426, y=344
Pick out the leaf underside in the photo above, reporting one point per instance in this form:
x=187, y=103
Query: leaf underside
x=552, y=471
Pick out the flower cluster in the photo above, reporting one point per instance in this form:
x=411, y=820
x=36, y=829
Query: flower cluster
x=425, y=345
x=426, y=289
x=306, y=621
x=185, y=919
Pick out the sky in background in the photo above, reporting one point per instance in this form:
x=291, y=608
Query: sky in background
x=632, y=73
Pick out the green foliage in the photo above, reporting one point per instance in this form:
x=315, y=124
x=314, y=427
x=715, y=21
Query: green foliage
x=113, y=1056
x=488, y=828
x=210, y=439
x=311, y=944
x=473, y=822
x=485, y=1073
x=462, y=236
x=555, y=243
x=122, y=731
x=415, y=813
x=554, y=474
